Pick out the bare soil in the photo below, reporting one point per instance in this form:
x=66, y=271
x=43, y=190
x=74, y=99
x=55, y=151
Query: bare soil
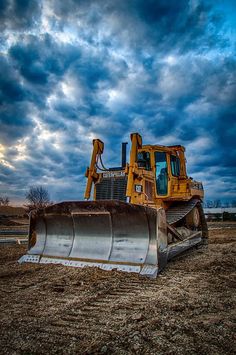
x=188, y=309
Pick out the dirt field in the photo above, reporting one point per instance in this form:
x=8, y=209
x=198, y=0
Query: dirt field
x=188, y=309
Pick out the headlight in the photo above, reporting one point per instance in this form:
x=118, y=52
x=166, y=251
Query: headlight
x=138, y=188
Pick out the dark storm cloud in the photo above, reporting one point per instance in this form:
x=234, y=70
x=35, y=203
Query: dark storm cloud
x=19, y=14
x=38, y=58
x=11, y=89
x=155, y=25
x=218, y=117
x=14, y=107
x=28, y=75
x=74, y=70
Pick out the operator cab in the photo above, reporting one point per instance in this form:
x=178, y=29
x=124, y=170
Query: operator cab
x=163, y=167
x=167, y=164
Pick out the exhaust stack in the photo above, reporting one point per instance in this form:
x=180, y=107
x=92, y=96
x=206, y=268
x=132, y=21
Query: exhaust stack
x=123, y=156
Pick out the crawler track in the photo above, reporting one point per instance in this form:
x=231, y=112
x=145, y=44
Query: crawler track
x=179, y=210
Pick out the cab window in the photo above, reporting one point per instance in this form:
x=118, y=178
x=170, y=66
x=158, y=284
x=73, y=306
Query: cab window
x=161, y=173
x=144, y=160
x=175, y=165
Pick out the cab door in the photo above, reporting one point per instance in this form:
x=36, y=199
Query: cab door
x=161, y=168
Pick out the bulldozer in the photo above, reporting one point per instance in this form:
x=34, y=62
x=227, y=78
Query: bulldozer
x=142, y=214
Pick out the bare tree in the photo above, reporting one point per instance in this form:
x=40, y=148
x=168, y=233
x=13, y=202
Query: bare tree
x=4, y=201
x=37, y=197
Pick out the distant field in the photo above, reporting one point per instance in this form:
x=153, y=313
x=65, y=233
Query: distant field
x=12, y=211
x=13, y=229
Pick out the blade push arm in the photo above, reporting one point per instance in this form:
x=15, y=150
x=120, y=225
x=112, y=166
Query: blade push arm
x=91, y=172
x=136, y=141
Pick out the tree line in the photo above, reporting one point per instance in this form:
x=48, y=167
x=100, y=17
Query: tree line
x=218, y=203
x=36, y=197
x=39, y=197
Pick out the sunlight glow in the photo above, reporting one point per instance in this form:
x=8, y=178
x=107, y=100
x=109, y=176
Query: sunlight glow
x=2, y=149
x=115, y=96
x=68, y=90
x=7, y=164
x=3, y=161
x=44, y=134
x=21, y=150
x=170, y=59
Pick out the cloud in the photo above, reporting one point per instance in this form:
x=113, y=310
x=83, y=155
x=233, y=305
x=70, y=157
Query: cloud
x=19, y=14
x=76, y=70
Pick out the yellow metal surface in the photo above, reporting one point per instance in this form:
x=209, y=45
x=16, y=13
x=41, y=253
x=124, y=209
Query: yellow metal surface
x=91, y=172
x=136, y=140
x=180, y=188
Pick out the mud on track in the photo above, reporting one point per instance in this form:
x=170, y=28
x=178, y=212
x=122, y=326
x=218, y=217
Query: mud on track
x=188, y=309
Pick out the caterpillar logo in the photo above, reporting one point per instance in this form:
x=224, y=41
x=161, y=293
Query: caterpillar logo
x=111, y=174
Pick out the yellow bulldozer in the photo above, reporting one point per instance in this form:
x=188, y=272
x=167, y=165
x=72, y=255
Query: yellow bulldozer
x=143, y=213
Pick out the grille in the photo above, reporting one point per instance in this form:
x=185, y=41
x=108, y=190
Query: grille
x=112, y=188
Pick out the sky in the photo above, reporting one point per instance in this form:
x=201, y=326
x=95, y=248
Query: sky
x=75, y=70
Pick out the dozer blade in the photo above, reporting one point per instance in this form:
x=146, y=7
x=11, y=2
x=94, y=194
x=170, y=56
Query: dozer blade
x=106, y=234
